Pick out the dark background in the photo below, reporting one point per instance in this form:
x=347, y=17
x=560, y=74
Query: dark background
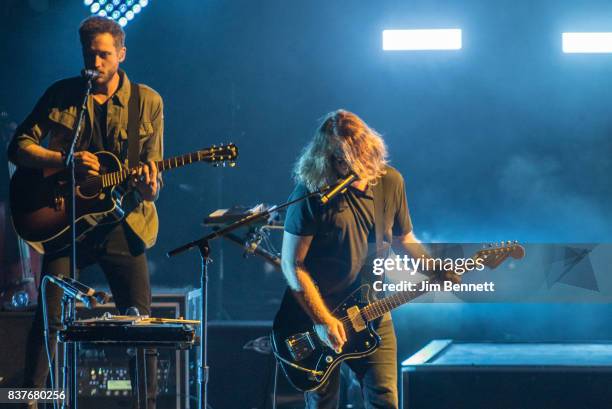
x=507, y=138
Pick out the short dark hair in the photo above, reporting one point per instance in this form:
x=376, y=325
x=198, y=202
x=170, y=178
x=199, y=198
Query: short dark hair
x=94, y=25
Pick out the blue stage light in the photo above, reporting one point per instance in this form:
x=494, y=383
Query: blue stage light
x=417, y=40
x=122, y=11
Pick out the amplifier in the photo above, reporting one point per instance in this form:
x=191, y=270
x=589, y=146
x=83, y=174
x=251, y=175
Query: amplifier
x=242, y=368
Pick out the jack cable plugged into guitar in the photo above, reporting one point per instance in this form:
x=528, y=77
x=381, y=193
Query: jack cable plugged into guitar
x=301, y=368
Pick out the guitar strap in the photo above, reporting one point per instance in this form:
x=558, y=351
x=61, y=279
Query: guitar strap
x=367, y=275
x=133, y=125
x=379, y=218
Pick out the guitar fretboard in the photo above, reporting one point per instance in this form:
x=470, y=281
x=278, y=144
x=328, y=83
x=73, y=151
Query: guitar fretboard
x=491, y=257
x=380, y=307
x=115, y=178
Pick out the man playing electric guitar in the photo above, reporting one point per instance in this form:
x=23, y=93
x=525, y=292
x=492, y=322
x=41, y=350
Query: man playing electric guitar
x=118, y=248
x=326, y=246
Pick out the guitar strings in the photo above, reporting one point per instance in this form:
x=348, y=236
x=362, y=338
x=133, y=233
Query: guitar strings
x=117, y=177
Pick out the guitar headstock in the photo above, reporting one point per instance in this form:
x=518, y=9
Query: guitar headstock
x=494, y=255
x=222, y=155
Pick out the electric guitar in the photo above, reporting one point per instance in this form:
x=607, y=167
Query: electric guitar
x=40, y=198
x=307, y=361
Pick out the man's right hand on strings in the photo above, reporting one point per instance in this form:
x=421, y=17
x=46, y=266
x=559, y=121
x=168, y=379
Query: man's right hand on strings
x=86, y=163
x=332, y=333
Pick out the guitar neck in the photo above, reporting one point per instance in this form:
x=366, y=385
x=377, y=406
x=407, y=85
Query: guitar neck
x=380, y=307
x=178, y=161
x=490, y=257
x=115, y=178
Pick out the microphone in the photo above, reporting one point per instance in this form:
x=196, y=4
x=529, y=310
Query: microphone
x=73, y=291
x=340, y=187
x=100, y=296
x=90, y=74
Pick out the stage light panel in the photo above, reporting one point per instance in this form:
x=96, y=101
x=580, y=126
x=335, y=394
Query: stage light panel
x=587, y=43
x=122, y=11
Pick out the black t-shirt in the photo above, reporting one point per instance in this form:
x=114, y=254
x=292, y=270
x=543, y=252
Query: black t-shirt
x=99, y=139
x=344, y=232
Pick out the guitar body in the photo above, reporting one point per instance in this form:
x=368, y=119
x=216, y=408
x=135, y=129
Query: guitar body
x=40, y=204
x=305, y=359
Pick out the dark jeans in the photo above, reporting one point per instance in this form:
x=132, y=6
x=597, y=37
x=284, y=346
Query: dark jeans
x=120, y=254
x=377, y=374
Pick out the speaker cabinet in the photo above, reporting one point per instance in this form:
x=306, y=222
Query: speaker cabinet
x=14, y=329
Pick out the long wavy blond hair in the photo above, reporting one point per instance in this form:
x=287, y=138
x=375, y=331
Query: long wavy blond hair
x=342, y=135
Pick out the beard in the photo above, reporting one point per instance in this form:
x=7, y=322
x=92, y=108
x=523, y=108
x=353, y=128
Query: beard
x=105, y=78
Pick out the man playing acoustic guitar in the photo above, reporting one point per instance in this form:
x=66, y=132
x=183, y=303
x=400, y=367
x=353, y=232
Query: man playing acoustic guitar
x=118, y=248
x=325, y=248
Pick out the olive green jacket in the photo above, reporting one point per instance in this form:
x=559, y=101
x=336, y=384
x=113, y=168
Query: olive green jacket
x=55, y=116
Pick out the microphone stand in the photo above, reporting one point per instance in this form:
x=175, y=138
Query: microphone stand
x=203, y=245
x=69, y=308
x=258, y=251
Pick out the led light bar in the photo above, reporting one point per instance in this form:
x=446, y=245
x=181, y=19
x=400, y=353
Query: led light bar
x=587, y=42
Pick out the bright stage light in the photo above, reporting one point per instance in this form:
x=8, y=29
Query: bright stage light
x=427, y=39
x=587, y=43
x=122, y=11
